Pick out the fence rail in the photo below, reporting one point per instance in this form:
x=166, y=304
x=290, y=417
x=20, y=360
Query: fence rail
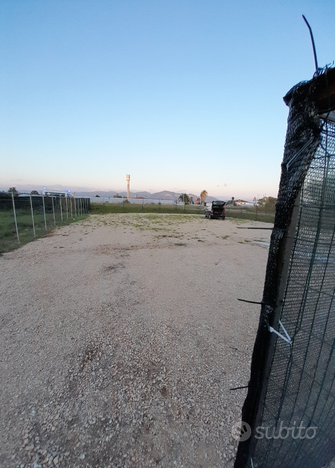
x=24, y=217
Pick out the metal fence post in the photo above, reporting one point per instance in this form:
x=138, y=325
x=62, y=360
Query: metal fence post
x=67, y=210
x=32, y=214
x=53, y=210
x=45, y=218
x=61, y=210
x=17, y=231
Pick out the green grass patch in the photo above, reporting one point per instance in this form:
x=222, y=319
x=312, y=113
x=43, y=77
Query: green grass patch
x=8, y=236
x=249, y=214
x=104, y=208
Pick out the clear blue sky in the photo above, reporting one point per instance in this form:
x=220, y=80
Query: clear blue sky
x=183, y=95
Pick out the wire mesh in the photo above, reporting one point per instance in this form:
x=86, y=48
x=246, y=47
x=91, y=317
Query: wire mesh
x=24, y=217
x=290, y=405
x=301, y=386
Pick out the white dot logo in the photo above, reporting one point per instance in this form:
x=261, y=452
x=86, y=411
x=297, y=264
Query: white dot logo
x=241, y=431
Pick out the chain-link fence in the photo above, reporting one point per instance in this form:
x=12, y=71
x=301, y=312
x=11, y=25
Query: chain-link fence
x=24, y=217
x=290, y=406
x=254, y=213
x=128, y=206
x=250, y=212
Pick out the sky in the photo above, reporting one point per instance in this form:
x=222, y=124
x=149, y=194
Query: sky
x=183, y=95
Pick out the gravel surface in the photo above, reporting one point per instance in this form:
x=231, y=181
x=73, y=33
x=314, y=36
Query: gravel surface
x=121, y=339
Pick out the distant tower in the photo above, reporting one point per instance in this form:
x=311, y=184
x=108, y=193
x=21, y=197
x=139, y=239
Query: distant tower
x=128, y=180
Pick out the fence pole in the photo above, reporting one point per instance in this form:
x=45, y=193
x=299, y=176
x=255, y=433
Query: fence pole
x=45, y=218
x=67, y=211
x=71, y=207
x=61, y=210
x=53, y=210
x=32, y=214
x=17, y=231
x=75, y=207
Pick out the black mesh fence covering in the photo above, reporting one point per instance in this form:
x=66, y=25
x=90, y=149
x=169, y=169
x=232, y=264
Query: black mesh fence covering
x=290, y=406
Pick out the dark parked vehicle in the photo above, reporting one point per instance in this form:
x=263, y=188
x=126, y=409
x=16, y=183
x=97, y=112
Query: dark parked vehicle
x=215, y=210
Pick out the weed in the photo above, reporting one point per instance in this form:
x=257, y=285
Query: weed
x=8, y=237
x=104, y=208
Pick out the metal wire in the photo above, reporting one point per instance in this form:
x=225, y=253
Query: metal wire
x=291, y=394
x=302, y=382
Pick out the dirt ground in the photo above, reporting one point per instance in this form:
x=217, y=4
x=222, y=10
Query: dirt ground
x=122, y=339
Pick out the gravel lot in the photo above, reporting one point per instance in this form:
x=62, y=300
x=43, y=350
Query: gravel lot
x=121, y=339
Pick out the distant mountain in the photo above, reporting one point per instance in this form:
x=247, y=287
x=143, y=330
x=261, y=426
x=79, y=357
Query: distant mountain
x=136, y=194
x=142, y=194
x=88, y=192
x=210, y=199
x=165, y=195
x=109, y=193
